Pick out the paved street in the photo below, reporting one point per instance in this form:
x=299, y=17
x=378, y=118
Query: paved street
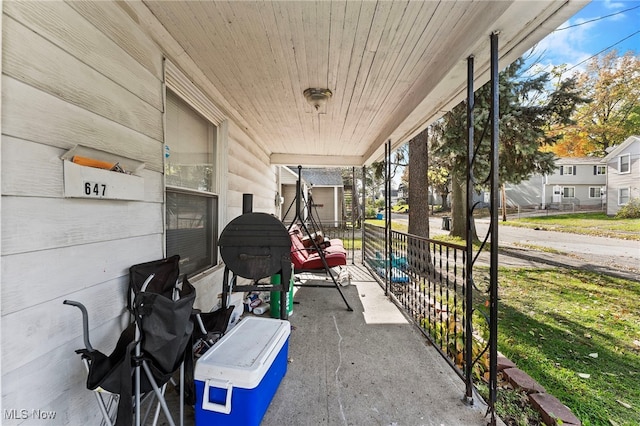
x=583, y=251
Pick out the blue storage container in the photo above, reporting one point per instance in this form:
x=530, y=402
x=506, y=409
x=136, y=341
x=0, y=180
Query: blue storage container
x=237, y=378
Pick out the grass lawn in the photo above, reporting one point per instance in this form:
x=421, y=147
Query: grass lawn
x=396, y=226
x=578, y=334
x=597, y=224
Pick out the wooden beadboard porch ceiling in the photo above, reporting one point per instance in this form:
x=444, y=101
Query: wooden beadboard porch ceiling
x=393, y=66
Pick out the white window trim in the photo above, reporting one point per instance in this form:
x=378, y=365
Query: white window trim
x=620, y=163
x=628, y=196
x=183, y=87
x=574, y=191
x=569, y=170
x=599, y=188
x=604, y=172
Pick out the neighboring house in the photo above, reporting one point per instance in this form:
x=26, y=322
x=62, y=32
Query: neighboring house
x=395, y=194
x=576, y=183
x=322, y=192
x=623, y=174
x=288, y=177
x=528, y=193
x=403, y=194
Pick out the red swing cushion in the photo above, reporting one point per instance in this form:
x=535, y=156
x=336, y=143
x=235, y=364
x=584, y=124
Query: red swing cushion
x=304, y=258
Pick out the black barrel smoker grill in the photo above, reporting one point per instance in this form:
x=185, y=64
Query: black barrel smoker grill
x=256, y=246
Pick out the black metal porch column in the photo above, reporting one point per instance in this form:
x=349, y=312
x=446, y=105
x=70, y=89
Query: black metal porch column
x=468, y=358
x=354, y=196
x=493, y=280
x=387, y=215
x=387, y=230
x=364, y=209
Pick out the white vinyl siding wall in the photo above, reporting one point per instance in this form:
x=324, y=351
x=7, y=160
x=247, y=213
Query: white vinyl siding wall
x=66, y=82
x=87, y=73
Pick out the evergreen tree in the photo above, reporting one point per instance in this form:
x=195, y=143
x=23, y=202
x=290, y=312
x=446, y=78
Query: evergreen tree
x=528, y=112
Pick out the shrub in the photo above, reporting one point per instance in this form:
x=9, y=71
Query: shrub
x=631, y=210
x=370, y=212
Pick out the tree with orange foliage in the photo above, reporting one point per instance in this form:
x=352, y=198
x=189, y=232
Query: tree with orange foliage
x=612, y=83
x=575, y=143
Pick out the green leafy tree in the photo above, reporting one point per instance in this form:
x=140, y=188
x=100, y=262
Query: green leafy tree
x=399, y=161
x=440, y=181
x=529, y=110
x=373, y=184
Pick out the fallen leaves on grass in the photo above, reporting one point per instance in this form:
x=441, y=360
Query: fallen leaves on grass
x=624, y=404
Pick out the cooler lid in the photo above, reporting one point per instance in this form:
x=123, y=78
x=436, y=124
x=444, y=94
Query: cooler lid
x=244, y=355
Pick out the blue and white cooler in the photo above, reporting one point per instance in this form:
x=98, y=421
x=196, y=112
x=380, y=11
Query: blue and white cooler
x=237, y=378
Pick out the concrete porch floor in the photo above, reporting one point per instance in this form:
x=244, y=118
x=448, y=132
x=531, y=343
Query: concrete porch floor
x=366, y=367
x=369, y=366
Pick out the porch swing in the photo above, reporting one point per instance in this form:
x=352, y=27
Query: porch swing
x=311, y=251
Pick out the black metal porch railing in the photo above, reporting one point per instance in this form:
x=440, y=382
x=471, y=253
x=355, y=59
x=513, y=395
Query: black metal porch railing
x=426, y=278
x=433, y=281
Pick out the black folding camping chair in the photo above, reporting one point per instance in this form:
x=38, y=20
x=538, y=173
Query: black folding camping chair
x=150, y=350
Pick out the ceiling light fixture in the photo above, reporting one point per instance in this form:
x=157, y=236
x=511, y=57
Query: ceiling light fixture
x=317, y=97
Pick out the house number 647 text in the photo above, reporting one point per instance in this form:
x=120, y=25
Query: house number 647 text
x=94, y=189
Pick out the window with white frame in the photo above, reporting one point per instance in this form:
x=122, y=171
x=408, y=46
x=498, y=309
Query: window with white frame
x=623, y=196
x=600, y=170
x=595, y=192
x=568, y=170
x=624, y=163
x=191, y=199
x=568, y=192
